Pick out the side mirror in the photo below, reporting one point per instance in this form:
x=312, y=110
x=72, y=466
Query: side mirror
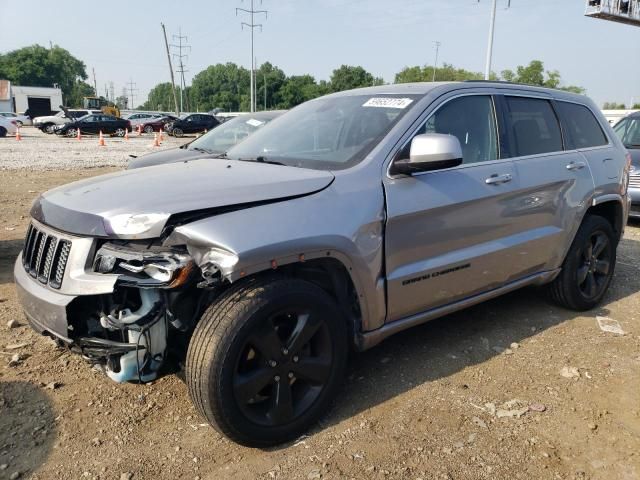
x=431, y=151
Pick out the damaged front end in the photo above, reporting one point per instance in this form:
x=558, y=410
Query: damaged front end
x=127, y=305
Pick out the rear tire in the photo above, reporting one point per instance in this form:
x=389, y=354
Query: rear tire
x=3, y=132
x=120, y=132
x=588, y=267
x=72, y=132
x=266, y=360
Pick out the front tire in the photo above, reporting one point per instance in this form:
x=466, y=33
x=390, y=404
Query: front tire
x=177, y=132
x=266, y=360
x=148, y=129
x=71, y=133
x=49, y=128
x=120, y=132
x=588, y=268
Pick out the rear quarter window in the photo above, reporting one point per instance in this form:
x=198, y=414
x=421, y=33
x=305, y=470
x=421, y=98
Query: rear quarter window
x=583, y=130
x=532, y=127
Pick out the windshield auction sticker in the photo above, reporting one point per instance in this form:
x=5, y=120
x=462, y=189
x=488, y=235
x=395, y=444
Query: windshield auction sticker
x=254, y=123
x=388, y=102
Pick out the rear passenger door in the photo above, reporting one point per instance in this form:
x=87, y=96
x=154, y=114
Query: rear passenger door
x=553, y=183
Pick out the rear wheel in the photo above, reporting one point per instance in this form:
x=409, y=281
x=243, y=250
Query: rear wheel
x=3, y=132
x=49, y=128
x=148, y=129
x=177, y=132
x=588, y=268
x=266, y=360
x=72, y=132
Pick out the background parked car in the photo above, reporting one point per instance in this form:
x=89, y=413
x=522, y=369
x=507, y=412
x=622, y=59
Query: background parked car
x=7, y=127
x=21, y=120
x=140, y=118
x=213, y=143
x=194, y=123
x=48, y=124
x=628, y=129
x=94, y=124
x=155, y=124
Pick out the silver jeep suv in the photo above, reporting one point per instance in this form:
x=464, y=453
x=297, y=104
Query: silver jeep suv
x=348, y=219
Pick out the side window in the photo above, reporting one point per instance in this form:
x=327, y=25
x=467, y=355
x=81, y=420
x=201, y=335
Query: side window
x=532, y=126
x=472, y=120
x=584, y=131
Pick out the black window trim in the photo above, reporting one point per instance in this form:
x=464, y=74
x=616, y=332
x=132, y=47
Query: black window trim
x=412, y=132
x=595, y=116
x=509, y=148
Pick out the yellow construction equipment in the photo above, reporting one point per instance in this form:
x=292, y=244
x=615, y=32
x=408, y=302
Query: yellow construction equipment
x=101, y=103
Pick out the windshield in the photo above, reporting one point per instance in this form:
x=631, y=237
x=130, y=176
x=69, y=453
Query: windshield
x=230, y=133
x=628, y=129
x=327, y=133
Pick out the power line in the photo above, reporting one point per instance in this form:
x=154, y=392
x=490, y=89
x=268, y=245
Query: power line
x=180, y=56
x=252, y=26
x=131, y=84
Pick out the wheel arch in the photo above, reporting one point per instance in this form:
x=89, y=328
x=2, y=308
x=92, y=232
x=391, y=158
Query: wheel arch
x=611, y=208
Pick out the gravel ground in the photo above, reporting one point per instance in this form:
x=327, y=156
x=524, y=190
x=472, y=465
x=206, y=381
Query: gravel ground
x=515, y=388
x=40, y=151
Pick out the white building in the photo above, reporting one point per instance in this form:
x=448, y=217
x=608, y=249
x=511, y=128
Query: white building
x=38, y=100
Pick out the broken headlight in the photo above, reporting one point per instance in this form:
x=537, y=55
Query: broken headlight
x=144, y=267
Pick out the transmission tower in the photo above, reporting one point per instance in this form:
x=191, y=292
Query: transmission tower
x=180, y=58
x=252, y=26
x=131, y=87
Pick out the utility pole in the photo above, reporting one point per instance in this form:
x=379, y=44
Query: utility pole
x=180, y=56
x=265, y=91
x=435, y=64
x=95, y=84
x=492, y=26
x=112, y=89
x=252, y=26
x=131, y=90
x=173, y=83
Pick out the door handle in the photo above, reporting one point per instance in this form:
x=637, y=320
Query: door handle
x=576, y=166
x=496, y=179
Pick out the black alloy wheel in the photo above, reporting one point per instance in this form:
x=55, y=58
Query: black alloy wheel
x=266, y=359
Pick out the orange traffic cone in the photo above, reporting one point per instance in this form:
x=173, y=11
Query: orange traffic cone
x=126, y=134
x=139, y=130
x=101, y=140
x=78, y=135
x=18, y=136
x=161, y=137
x=155, y=140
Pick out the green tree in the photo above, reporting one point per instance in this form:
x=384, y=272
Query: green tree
x=223, y=86
x=446, y=73
x=535, y=74
x=614, y=106
x=37, y=66
x=296, y=90
x=347, y=77
x=79, y=90
x=160, y=98
x=274, y=78
x=636, y=106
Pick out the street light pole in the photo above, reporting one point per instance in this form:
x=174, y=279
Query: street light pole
x=487, y=70
x=435, y=64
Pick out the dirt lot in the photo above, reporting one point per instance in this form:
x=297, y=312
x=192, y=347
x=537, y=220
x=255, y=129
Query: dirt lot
x=454, y=399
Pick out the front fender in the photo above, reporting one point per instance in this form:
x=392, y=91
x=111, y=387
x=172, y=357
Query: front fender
x=345, y=225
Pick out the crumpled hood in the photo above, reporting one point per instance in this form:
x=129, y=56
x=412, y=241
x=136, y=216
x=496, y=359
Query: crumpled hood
x=171, y=155
x=88, y=207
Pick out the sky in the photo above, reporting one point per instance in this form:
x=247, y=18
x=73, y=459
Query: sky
x=123, y=42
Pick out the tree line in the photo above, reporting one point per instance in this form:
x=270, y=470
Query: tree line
x=226, y=85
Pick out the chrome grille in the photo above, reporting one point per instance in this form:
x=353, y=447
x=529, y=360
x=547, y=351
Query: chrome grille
x=45, y=256
x=634, y=181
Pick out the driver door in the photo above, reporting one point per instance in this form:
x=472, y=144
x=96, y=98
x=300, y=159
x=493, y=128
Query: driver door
x=448, y=232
